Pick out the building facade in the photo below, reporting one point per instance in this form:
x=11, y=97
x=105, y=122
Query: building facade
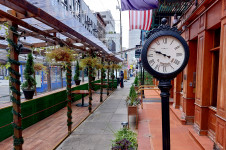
x=134, y=40
x=82, y=12
x=111, y=35
x=101, y=25
x=200, y=90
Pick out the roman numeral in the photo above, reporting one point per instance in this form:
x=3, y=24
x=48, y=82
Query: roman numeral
x=164, y=68
x=157, y=42
x=157, y=67
x=179, y=54
x=177, y=62
x=177, y=47
x=150, y=55
x=171, y=66
x=165, y=40
x=152, y=62
x=172, y=42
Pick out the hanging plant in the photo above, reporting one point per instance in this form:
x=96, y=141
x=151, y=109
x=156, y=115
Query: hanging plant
x=99, y=66
x=118, y=66
x=39, y=67
x=61, y=54
x=106, y=65
x=89, y=61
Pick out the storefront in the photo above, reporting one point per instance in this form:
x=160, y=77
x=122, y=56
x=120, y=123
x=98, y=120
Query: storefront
x=200, y=91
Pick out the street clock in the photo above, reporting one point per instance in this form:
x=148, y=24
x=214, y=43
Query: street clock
x=165, y=54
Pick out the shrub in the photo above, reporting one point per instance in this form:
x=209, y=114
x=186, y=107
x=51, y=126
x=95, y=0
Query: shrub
x=77, y=72
x=136, y=81
x=132, y=99
x=28, y=74
x=125, y=140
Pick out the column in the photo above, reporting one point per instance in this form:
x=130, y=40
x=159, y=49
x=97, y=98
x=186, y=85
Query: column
x=15, y=86
x=221, y=100
x=203, y=77
x=189, y=84
x=177, y=90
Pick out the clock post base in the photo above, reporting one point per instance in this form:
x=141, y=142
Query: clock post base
x=165, y=86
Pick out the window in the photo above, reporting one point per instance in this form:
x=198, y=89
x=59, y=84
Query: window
x=215, y=68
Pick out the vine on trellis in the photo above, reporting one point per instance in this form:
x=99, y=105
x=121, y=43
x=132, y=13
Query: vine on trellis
x=14, y=80
x=69, y=112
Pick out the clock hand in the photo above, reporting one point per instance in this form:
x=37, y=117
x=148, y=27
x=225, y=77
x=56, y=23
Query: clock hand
x=158, y=52
x=166, y=55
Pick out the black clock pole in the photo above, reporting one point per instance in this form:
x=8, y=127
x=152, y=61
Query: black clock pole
x=165, y=86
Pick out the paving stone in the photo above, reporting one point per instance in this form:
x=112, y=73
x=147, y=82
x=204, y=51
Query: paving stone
x=119, y=118
x=97, y=131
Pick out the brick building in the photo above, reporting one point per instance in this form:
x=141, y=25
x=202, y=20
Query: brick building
x=200, y=91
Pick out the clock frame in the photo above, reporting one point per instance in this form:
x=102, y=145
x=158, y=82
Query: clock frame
x=154, y=34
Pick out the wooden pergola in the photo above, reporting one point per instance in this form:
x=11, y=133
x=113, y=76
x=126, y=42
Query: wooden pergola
x=16, y=13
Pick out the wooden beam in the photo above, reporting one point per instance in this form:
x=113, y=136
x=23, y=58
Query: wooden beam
x=22, y=16
x=51, y=21
x=26, y=25
x=2, y=46
x=47, y=31
x=36, y=35
x=42, y=16
x=43, y=44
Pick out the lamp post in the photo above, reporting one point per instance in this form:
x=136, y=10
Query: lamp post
x=120, y=10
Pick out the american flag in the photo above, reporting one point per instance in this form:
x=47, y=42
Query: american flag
x=140, y=19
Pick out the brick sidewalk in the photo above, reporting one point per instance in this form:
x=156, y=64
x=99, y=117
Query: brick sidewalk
x=150, y=129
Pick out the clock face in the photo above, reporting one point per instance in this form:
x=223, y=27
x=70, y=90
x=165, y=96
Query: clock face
x=165, y=54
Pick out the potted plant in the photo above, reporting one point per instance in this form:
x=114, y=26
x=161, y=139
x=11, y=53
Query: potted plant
x=28, y=86
x=132, y=103
x=136, y=83
x=125, y=139
x=77, y=73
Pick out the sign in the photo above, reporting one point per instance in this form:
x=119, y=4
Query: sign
x=137, y=53
x=38, y=81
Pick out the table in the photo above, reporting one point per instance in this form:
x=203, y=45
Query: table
x=101, y=85
x=81, y=92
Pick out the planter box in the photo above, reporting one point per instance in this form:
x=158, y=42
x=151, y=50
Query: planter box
x=136, y=88
x=133, y=110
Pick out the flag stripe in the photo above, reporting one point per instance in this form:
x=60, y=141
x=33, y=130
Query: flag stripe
x=150, y=21
x=147, y=24
x=130, y=22
x=140, y=19
x=144, y=20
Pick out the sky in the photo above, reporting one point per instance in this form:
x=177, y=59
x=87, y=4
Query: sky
x=103, y=5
